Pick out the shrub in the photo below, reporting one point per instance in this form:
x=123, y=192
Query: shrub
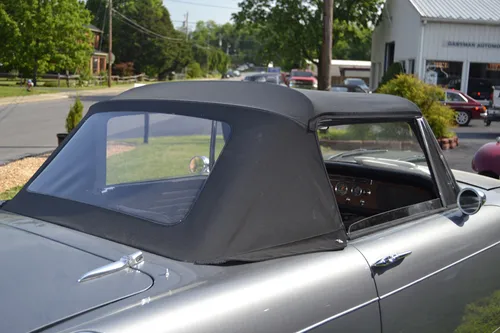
x=392, y=72
x=194, y=70
x=50, y=84
x=75, y=114
x=427, y=97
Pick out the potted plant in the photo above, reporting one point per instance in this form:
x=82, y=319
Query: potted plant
x=74, y=116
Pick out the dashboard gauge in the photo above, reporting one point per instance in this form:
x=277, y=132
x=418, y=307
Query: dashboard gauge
x=341, y=189
x=357, y=191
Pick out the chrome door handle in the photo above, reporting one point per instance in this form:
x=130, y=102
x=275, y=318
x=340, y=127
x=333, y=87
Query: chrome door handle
x=391, y=259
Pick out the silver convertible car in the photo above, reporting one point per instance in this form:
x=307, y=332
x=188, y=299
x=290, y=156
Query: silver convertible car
x=241, y=207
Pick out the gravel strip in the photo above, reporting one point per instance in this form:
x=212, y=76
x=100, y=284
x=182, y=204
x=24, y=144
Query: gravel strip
x=18, y=172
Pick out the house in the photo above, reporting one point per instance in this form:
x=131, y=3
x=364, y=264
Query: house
x=343, y=69
x=451, y=43
x=99, y=59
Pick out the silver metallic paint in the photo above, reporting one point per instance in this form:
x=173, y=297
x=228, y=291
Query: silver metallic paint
x=39, y=278
x=451, y=265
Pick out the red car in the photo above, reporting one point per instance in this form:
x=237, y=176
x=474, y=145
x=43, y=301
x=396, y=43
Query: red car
x=303, y=79
x=466, y=107
x=486, y=161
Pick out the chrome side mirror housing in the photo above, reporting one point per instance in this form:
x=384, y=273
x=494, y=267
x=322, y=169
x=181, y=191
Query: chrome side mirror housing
x=199, y=165
x=470, y=200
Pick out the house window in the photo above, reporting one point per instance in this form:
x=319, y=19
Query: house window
x=403, y=65
x=95, y=65
x=411, y=66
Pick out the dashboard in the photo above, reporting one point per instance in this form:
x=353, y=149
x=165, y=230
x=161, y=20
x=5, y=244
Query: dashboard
x=368, y=196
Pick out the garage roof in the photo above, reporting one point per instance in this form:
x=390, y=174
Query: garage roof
x=485, y=11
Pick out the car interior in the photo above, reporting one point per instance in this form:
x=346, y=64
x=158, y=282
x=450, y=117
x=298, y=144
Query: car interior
x=369, y=196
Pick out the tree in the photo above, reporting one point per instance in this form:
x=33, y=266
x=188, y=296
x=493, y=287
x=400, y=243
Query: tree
x=143, y=34
x=291, y=30
x=48, y=35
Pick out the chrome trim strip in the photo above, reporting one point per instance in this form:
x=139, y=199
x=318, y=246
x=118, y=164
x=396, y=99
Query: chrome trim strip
x=439, y=270
x=340, y=314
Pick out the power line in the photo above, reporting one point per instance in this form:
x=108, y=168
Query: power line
x=202, y=4
x=146, y=31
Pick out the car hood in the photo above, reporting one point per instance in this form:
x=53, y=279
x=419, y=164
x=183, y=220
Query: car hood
x=39, y=280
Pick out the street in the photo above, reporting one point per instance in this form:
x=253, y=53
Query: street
x=31, y=128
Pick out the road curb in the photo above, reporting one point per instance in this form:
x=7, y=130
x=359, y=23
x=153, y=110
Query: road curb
x=24, y=156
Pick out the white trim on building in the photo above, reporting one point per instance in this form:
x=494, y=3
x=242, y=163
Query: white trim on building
x=459, y=37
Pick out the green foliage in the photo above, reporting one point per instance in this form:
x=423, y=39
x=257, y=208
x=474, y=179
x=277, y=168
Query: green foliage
x=50, y=84
x=382, y=131
x=194, y=70
x=150, y=53
x=354, y=42
x=481, y=316
x=427, y=97
x=44, y=35
x=394, y=70
x=291, y=31
x=75, y=114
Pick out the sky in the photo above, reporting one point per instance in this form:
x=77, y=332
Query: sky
x=200, y=10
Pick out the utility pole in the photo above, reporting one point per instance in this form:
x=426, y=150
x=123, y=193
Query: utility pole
x=110, y=47
x=187, y=25
x=324, y=82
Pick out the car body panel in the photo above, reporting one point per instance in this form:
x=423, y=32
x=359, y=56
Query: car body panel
x=46, y=273
x=445, y=272
x=319, y=293
x=471, y=179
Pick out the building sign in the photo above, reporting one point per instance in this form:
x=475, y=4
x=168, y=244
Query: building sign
x=493, y=67
x=477, y=45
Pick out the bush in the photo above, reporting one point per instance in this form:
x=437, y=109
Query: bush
x=392, y=72
x=427, y=97
x=75, y=114
x=50, y=84
x=194, y=70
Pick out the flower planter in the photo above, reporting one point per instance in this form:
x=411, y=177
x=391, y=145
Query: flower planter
x=61, y=137
x=448, y=143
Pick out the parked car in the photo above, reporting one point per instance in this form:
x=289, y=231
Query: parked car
x=274, y=78
x=210, y=207
x=493, y=111
x=357, y=82
x=466, y=107
x=302, y=79
x=486, y=160
x=479, y=89
x=348, y=88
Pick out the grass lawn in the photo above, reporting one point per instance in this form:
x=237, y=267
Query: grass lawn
x=11, y=91
x=9, y=194
x=162, y=157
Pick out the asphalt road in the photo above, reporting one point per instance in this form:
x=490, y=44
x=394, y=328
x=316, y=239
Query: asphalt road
x=31, y=128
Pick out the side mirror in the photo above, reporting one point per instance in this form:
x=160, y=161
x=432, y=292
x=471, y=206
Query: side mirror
x=199, y=164
x=470, y=200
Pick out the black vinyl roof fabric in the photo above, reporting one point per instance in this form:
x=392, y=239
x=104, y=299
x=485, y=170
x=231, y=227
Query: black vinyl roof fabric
x=301, y=105
x=259, y=202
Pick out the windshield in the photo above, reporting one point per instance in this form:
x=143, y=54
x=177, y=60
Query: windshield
x=358, y=82
x=302, y=74
x=390, y=145
x=149, y=165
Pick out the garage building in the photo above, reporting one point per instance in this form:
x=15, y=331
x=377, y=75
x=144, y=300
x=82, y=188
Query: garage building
x=451, y=43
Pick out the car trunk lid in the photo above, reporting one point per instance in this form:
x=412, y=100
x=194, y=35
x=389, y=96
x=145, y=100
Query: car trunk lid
x=39, y=281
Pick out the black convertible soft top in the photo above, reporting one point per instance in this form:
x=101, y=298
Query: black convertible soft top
x=268, y=195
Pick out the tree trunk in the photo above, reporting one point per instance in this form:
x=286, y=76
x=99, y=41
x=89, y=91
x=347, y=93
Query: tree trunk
x=35, y=72
x=325, y=59
x=67, y=78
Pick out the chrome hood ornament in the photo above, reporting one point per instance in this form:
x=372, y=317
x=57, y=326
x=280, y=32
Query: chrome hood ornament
x=129, y=261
